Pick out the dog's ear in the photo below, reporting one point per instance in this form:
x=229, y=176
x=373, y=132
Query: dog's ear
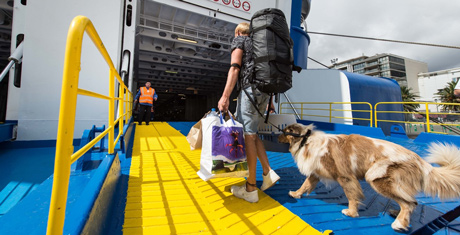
x=309, y=127
x=295, y=128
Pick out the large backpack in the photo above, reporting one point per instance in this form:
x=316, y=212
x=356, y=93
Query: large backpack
x=272, y=51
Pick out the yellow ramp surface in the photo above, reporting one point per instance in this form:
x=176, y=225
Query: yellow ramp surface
x=165, y=195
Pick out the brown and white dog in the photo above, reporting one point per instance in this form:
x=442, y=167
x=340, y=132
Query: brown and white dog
x=392, y=170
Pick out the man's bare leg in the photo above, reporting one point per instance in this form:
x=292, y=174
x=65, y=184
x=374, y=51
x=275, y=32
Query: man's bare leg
x=251, y=156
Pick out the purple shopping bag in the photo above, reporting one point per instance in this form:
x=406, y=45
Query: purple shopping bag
x=223, y=151
x=228, y=142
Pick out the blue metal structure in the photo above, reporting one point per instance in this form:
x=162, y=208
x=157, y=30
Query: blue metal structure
x=92, y=189
x=374, y=90
x=299, y=12
x=6, y=130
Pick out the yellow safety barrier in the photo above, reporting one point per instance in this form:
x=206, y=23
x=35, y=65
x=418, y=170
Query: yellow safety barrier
x=64, y=144
x=427, y=114
x=287, y=106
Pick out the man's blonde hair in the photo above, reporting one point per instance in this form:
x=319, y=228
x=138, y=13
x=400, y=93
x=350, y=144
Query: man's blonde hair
x=243, y=28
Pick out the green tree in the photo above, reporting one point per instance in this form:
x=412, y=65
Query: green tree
x=408, y=96
x=447, y=96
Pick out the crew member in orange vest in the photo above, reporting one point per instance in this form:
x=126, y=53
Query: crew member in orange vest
x=146, y=96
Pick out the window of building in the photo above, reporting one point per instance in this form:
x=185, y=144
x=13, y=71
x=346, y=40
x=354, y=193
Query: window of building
x=397, y=74
x=397, y=67
x=359, y=66
x=360, y=71
x=385, y=74
x=383, y=59
x=372, y=70
x=372, y=63
x=396, y=60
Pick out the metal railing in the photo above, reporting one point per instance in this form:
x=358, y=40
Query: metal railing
x=306, y=108
x=183, y=30
x=428, y=116
x=15, y=58
x=432, y=120
x=64, y=144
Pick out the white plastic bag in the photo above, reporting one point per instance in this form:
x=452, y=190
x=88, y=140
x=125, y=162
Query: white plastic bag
x=223, y=152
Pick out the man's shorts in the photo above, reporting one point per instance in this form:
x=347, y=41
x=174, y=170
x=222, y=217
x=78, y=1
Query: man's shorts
x=246, y=113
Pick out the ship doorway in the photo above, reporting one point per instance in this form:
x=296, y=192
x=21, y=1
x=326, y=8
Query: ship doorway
x=185, y=56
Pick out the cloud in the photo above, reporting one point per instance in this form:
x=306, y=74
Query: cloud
x=434, y=22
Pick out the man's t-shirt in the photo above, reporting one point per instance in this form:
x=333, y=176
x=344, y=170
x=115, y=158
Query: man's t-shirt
x=247, y=64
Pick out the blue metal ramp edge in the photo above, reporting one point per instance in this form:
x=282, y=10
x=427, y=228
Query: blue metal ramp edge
x=90, y=197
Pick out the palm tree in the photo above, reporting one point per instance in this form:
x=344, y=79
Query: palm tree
x=408, y=96
x=447, y=96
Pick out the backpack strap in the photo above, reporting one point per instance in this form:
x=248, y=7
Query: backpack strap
x=253, y=102
x=269, y=107
x=269, y=58
x=285, y=38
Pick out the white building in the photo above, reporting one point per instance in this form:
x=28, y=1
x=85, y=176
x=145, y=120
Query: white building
x=401, y=69
x=429, y=83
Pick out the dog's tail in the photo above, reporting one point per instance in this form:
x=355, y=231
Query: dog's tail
x=443, y=181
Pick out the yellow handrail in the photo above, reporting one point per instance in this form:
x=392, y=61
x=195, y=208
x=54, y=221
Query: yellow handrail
x=427, y=113
x=330, y=109
x=373, y=119
x=64, y=143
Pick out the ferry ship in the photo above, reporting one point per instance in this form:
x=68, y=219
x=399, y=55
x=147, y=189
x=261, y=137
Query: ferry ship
x=75, y=161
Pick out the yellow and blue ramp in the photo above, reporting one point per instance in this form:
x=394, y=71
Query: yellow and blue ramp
x=158, y=192
x=165, y=195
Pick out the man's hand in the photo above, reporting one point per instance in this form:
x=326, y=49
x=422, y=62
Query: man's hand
x=223, y=104
x=151, y=109
x=155, y=99
x=135, y=101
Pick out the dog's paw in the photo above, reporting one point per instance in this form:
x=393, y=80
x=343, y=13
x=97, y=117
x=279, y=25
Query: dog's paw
x=348, y=212
x=397, y=226
x=295, y=194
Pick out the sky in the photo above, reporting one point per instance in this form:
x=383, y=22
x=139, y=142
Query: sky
x=424, y=21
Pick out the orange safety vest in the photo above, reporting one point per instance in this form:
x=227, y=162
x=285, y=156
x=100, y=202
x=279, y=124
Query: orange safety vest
x=146, y=95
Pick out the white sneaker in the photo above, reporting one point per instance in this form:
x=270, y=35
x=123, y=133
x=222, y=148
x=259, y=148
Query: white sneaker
x=240, y=192
x=269, y=180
